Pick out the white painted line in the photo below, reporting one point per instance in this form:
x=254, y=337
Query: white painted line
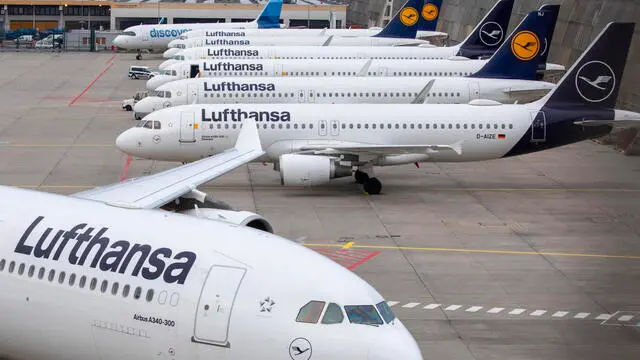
x=391, y=303
x=453, y=307
x=410, y=305
x=538, y=312
x=604, y=317
x=581, y=315
x=517, y=311
x=560, y=313
x=431, y=306
x=474, y=309
x=495, y=310
x=625, y=318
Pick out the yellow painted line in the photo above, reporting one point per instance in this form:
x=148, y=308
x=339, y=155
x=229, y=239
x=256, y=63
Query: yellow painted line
x=481, y=251
x=348, y=245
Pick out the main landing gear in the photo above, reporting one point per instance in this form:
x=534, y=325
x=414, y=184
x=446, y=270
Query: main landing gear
x=139, y=56
x=371, y=185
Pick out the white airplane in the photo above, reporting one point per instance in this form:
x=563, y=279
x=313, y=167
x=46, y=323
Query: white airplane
x=157, y=36
x=311, y=144
x=430, y=13
x=112, y=276
x=474, y=46
x=539, y=22
x=400, y=31
x=505, y=77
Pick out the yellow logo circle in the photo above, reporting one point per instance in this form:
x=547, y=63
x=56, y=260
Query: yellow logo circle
x=430, y=12
x=525, y=45
x=409, y=16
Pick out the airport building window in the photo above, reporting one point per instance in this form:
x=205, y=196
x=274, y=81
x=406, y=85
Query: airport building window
x=137, y=293
x=12, y=266
x=310, y=313
x=333, y=315
x=21, y=269
x=125, y=290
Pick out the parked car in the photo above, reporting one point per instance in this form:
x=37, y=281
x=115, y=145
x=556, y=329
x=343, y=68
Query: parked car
x=127, y=104
x=141, y=72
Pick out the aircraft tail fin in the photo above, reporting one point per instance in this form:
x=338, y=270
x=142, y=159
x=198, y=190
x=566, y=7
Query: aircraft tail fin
x=553, y=11
x=429, y=15
x=489, y=34
x=405, y=23
x=269, y=18
x=593, y=81
x=518, y=57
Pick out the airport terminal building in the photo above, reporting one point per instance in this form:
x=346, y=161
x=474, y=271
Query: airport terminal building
x=118, y=15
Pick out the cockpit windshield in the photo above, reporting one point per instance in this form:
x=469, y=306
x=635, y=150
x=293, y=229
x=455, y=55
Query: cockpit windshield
x=178, y=57
x=129, y=33
x=386, y=312
x=169, y=72
x=160, y=94
x=363, y=314
x=149, y=124
x=181, y=46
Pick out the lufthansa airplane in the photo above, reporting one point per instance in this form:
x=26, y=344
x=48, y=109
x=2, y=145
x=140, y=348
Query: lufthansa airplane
x=426, y=28
x=156, y=37
x=400, y=31
x=106, y=274
x=372, y=67
x=504, y=78
x=482, y=42
x=311, y=144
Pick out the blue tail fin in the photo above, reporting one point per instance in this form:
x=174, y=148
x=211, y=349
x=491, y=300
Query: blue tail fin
x=553, y=11
x=489, y=34
x=518, y=57
x=405, y=23
x=269, y=18
x=593, y=81
x=429, y=15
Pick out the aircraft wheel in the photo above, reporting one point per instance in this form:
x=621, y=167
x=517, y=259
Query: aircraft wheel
x=128, y=108
x=139, y=57
x=372, y=186
x=360, y=176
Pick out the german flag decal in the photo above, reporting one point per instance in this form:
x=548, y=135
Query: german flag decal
x=502, y=136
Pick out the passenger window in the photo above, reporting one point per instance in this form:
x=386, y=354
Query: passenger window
x=137, y=293
x=32, y=270
x=21, y=269
x=52, y=274
x=2, y=264
x=125, y=291
x=363, y=314
x=149, y=295
x=12, y=266
x=41, y=273
x=93, y=284
x=310, y=313
x=333, y=315
x=114, y=288
x=386, y=312
x=72, y=279
x=103, y=287
x=61, y=277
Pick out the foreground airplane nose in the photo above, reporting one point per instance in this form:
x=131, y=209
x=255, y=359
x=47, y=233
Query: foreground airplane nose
x=170, y=53
x=165, y=64
x=158, y=80
x=145, y=107
x=118, y=41
x=127, y=142
x=397, y=345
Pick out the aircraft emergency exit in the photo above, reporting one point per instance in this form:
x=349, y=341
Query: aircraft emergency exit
x=113, y=276
x=311, y=144
x=157, y=36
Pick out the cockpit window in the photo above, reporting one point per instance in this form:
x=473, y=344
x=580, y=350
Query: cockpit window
x=363, y=314
x=129, y=33
x=386, y=312
x=178, y=57
x=167, y=94
x=148, y=125
x=310, y=313
x=333, y=315
x=157, y=125
x=141, y=123
x=181, y=46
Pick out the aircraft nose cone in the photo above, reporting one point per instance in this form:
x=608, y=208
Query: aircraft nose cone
x=169, y=53
x=158, y=80
x=165, y=64
x=127, y=142
x=398, y=344
x=144, y=107
x=118, y=41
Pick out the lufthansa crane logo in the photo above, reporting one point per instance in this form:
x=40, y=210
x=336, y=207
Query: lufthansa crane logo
x=430, y=12
x=300, y=349
x=491, y=33
x=525, y=45
x=595, y=81
x=409, y=16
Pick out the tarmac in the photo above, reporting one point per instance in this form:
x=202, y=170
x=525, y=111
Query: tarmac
x=533, y=257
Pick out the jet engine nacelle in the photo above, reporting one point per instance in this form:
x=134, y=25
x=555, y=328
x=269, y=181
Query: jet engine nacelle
x=309, y=170
x=242, y=218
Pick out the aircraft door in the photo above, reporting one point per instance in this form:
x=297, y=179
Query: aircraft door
x=335, y=128
x=192, y=93
x=194, y=70
x=383, y=71
x=187, y=127
x=538, y=127
x=322, y=127
x=474, y=90
x=216, y=304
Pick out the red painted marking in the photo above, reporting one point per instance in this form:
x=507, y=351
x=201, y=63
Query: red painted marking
x=349, y=258
x=110, y=64
x=125, y=168
x=111, y=59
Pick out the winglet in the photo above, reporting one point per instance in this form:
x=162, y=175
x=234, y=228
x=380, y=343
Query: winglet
x=249, y=138
x=422, y=96
x=365, y=68
x=328, y=41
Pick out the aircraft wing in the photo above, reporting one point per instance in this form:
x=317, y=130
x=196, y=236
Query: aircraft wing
x=373, y=149
x=523, y=96
x=159, y=189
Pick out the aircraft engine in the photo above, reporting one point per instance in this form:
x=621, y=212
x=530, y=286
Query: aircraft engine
x=309, y=170
x=242, y=218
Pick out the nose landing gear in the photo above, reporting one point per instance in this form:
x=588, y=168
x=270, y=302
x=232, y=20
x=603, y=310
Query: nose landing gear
x=139, y=55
